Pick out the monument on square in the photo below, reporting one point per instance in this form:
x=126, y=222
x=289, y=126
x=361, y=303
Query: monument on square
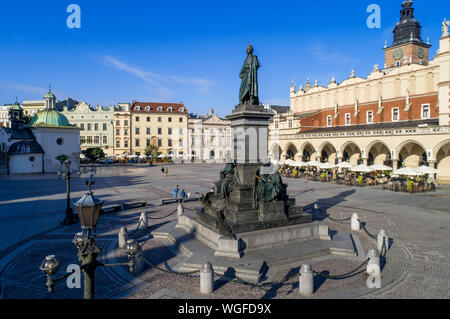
x=250, y=208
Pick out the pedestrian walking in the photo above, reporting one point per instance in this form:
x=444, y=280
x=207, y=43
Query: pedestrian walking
x=167, y=172
x=175, y=192
x=183, y=195
x=162, y=170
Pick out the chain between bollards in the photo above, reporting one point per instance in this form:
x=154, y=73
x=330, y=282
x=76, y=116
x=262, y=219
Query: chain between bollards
x=185, y=274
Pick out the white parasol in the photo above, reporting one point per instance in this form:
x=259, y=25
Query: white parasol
x=380, y=167
x=408, y=171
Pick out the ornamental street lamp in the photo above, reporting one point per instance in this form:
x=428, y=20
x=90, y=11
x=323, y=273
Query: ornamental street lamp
x=69, y=217
x=88, y=208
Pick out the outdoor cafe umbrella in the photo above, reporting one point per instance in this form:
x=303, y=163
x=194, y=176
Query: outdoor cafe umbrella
x=380, y=167
x=344, y=165
x=361, y=168
x=299, y=163
x=408, y=171
x=161, y=156
x=314, y=163
x=289, y=162
x=133, y=156
x=427, y=170
x=327, y=166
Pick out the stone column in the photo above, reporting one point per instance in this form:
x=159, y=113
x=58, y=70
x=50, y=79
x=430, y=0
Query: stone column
x=355, y=224
x=395, y=164
x=306, y=280
x=365, y=160
x=123, y=237
x=143, y=222
x=206, y=278
x=432, y=164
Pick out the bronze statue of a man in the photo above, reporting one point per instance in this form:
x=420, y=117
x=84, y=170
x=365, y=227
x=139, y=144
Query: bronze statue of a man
x=248, y=93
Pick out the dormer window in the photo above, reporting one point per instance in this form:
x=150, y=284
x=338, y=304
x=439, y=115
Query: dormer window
x=169, y=109
x=395, y=115
x=181, y=109
x=369, y=118
x=425, y=111
x=160, y=108
x=138, y=108
x=329, y=120
x=147, y=108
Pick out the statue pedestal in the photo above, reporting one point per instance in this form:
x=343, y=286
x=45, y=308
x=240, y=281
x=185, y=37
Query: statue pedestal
x=250, y=134
x=252, y=236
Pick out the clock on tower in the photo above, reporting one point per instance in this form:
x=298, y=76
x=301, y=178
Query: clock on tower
x=408, y=46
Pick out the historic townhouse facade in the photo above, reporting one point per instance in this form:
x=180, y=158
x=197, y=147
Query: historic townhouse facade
x=122, y=129
x=398, y=115
x=161, y=124
x=210, y=138
x=96, y=124
x=4, y=115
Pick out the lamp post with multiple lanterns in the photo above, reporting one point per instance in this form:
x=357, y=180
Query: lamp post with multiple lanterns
x=69, y=217
x=88, y=208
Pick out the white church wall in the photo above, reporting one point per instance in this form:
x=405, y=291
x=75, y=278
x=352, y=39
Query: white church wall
x=59, y=141
x=25, y=164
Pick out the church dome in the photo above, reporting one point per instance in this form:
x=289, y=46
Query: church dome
x=49, y=118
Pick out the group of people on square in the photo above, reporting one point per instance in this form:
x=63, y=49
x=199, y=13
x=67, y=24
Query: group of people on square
x=180, y=196
x=164, y=171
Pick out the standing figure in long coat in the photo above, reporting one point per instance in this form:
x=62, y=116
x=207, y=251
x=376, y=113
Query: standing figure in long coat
x=248, y=93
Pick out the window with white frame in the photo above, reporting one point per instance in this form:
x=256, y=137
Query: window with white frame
x=329, y=120
x=395, y=115
x=369, y=118
x=169, y=109
x=159, y=108
x=347, y=119
x=425, y=111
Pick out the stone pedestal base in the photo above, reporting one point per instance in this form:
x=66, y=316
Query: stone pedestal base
x=265, y=237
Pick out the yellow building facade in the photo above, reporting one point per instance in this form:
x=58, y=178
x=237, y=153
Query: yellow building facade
x=161, y=124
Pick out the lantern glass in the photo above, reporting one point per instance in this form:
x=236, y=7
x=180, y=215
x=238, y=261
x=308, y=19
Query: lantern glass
x=50, y=265
x=88, y=208
x=78, y=240
x=68, y=164
x=132, y=247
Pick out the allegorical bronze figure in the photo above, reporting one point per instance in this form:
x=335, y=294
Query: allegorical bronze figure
x=248, y=93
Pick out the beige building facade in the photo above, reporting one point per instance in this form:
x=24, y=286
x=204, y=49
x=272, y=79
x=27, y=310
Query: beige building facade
x=122, y=129
x=398, y=115
x=161, y=124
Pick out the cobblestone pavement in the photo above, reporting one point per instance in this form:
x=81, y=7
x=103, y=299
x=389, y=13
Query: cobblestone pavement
x=417, y=264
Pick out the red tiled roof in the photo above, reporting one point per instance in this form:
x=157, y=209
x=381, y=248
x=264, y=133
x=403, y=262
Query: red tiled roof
x=154, y=107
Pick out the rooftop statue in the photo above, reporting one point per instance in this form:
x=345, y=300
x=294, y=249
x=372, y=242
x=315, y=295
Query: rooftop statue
x=248, y=93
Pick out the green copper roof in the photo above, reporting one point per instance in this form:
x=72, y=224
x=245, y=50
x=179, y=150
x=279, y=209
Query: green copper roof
x=49, y=118
x=50, y=95
x=16, y=106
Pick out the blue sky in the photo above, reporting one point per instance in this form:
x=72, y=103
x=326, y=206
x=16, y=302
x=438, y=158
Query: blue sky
x=191, y=51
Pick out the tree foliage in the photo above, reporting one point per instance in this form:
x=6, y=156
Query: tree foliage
x=62, y=158
x=152, y=151
x=94, y=154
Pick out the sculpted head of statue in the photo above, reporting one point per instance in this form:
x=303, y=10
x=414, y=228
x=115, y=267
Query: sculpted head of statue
x=249, y=49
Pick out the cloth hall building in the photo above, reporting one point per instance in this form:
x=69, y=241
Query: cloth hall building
x=398, y=115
